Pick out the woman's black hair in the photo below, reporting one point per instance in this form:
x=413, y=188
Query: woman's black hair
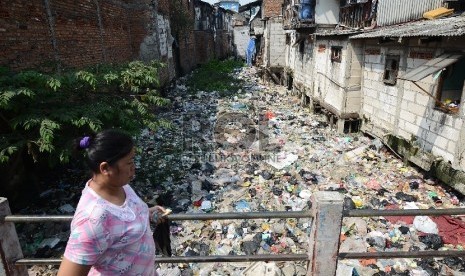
x=106, y=146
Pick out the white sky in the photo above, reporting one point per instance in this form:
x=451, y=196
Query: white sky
x=242, y=2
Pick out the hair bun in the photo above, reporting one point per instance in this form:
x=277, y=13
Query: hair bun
x=85, y=142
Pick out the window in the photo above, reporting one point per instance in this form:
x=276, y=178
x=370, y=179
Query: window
x=391, y=69
x=450, y=86
x=302, y=47
x=336, y=53
x=448, y=72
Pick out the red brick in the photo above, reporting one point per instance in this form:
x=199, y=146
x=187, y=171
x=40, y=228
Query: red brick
x=272, y=8
x=26, y=37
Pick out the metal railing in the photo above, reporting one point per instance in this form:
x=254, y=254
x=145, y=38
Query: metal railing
x=175, y=217
x=181, y=217
x=327, y=214
x=402, y=254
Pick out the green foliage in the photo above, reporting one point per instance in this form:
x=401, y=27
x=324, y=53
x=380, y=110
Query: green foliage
x=139, y=75
x=87, y=78
x=41, y=114
x=216, y=76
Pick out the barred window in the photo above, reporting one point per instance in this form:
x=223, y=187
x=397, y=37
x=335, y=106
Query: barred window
x=336, y=53
x=391, y=69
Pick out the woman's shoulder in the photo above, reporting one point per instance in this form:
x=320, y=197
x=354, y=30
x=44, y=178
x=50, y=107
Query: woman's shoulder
x=89, y=208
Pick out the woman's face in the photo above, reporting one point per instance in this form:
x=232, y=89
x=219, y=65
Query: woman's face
x=124, y=169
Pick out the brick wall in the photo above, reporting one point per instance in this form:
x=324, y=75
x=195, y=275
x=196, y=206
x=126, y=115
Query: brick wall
x=42, y=34
x=199, y=46
x=24, y=34
x=272, y=8
x=47, y=34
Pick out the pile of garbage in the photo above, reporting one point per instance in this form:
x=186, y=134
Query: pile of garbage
x=260, y=150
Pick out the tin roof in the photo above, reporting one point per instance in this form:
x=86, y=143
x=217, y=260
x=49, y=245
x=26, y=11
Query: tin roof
x=391, y=12
x=450, y=26
x=331, y=32
x=431, y=67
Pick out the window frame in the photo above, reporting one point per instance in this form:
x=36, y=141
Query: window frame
x=444, y=74
x=336, y=54
x=390, y=74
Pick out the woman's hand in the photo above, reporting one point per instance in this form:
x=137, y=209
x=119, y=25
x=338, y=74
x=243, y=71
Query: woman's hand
x=157, y=212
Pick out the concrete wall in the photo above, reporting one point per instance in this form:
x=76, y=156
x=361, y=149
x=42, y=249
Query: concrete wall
x=327, y=11
x=275, y=43
x=158, y=46
x=354, y=77
x=241, y=40
x=300, y=63
x=322, y=53
x=337, y=85
x=405, y=110
x=379, y=99
x=332, y=76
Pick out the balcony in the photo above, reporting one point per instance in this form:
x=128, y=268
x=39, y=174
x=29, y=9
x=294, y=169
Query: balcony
x=298, y=14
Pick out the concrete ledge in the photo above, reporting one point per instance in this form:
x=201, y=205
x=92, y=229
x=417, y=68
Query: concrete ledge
x=338, y=113
x=452, y=177
x=438, y=168
x=410, y=152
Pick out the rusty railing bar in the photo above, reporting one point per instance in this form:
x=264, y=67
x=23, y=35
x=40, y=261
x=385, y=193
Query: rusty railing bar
x=192, y=259
x=403, y=212
x=401, y=254
x=173, y=217
x=234, y=258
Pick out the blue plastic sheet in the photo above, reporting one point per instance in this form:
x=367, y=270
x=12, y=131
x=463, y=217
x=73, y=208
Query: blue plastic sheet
x=306, y=10
x=250, y=52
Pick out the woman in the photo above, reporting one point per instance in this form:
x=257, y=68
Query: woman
x=110, y=231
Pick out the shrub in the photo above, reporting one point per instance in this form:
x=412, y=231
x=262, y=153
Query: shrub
x=42, y=113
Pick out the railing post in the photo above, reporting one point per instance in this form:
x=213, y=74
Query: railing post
x=324, y=237
x=10, y=249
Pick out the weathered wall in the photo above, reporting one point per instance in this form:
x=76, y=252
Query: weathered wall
x=275, y=41
x=331, y=77
x=241, y=40
x=335, y=85
x=327, y=11
x=300, y=63
x=338, y=82
x=379, y=99
x=51, y=35
x=405, y=110
x=72, y=33
x=322, y=53
x=272, y=8
x=354, y=77
x=210, y=36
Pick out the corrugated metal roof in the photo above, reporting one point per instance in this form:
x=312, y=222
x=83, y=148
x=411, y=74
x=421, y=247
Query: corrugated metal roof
x=398, y=11
x=329, y=32
x=431, y=67
x=451, y=26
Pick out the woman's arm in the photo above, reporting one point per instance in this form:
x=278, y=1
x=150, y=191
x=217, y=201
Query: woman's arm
x=68, y=268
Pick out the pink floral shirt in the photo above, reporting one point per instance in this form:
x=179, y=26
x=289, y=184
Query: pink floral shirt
x=114, y=240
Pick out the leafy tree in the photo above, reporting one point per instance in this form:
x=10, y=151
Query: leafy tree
x=41, y=113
